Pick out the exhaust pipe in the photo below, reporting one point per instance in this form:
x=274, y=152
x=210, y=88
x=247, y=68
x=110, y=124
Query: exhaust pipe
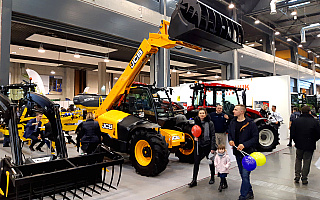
x=307, y=28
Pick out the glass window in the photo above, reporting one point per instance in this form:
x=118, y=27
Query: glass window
x=198, y=98
x=55, y=85
x=142, y=103
x=227, y=98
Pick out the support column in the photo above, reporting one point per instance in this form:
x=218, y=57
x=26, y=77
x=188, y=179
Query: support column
x=5, y=38
x=153, y=68
x=102, y=66
x=236, y=67
x=68, y=83
x=109, y=80
x=175, y=79
x=314, y=77
x=225, y=72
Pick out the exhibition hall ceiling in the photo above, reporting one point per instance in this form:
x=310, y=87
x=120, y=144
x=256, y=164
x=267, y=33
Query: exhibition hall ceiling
x=60, y=49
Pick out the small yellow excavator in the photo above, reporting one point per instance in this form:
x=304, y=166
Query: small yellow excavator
x=193, y=25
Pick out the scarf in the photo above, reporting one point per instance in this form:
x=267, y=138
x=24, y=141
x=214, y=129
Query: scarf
x=206, y=130
x=221, y=154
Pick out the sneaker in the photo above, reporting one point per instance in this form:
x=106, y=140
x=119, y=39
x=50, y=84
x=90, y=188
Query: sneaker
x=304, y=182
x=296, y=179
x=31, y=148
x=39, y=149
x=211, y=181
x=289, y=145
x=242, y=198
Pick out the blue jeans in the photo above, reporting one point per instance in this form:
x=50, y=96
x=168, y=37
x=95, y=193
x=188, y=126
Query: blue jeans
x=245, y=176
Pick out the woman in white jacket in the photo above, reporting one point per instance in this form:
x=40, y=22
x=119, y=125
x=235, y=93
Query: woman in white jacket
x=222, y=164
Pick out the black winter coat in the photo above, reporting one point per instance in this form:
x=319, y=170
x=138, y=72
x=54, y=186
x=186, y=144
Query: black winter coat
x=305, y=132
x=91, y=132
x=249, y=135
x=212, y=135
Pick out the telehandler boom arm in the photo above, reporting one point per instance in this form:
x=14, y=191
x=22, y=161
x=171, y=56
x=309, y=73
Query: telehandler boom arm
x=142, y=56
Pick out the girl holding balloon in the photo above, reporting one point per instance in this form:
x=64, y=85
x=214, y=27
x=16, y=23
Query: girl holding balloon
x=205, y=143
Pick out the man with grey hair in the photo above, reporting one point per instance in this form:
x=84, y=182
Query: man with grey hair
x=305, y=132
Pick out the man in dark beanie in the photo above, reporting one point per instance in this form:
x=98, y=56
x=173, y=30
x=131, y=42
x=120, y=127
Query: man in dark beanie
x=305, y=132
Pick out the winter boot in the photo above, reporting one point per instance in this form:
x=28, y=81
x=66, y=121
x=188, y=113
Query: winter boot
x=225, y=184
x=212, y=170
x=220, y=186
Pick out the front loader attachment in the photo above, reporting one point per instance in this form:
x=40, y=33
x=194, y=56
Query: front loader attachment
x=196, y=23
x=63, y=178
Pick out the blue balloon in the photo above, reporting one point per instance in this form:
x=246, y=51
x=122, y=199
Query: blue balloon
x=249, y=163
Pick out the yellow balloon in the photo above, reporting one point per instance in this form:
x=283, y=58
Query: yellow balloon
x=259, y=157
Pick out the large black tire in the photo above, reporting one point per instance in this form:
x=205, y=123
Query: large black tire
x=186, y=153
x=149, y=153
x=268, y=138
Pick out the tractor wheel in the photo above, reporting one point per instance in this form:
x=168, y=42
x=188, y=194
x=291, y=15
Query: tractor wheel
x=268, y=138
x=149, y=153
x=186, y=153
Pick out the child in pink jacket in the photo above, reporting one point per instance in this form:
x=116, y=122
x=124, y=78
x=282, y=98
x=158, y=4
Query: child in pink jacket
x=222, y=164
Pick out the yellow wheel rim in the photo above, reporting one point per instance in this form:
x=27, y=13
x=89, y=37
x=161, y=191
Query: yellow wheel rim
x=143, y=153
x=188, y=138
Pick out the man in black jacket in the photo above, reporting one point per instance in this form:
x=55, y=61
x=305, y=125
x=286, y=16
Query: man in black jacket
x=305, y=132
x=219, y=119
x=243, y=133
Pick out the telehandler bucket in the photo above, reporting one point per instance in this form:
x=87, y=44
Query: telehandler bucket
x=196, y=23
x=61, y=178
x=58, y=178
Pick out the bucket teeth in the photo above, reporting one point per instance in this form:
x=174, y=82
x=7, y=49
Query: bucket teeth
x=120, y=171
x=112, y=173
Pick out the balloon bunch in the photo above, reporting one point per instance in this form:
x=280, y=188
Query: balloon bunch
x=250, y=162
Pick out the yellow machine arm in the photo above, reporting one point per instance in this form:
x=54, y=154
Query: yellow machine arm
x=142, y=56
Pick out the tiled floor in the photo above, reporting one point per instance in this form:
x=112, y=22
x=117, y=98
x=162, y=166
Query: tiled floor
x=274, y=180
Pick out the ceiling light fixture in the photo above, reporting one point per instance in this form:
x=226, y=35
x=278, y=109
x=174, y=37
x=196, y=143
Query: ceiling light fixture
x=106, y=59
x=318, y=35
x=216, y=76
x=300, y=45
x=53, y=72
x=289, y=39
x=116, y=78
x=300, y=4
x=76, y=55
x=309, y=51
x=277, y=33
x=188, y=72
x=174, y=70
x=317, y=56
x=41, y=49
x=14, y=52
x=231, y=5
x=257, y=21
x=294, y=13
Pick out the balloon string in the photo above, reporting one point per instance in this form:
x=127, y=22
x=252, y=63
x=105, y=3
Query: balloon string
x=242, y=152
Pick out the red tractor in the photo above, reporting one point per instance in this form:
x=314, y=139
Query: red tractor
x=208, y=95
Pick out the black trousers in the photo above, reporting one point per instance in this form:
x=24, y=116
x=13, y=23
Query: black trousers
x=305, y=157
x=89, y=147
x=203, y=152
x=35, y=140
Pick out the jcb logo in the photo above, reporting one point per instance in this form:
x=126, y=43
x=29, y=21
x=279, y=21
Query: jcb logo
x=136, y=58
x=107, y=126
